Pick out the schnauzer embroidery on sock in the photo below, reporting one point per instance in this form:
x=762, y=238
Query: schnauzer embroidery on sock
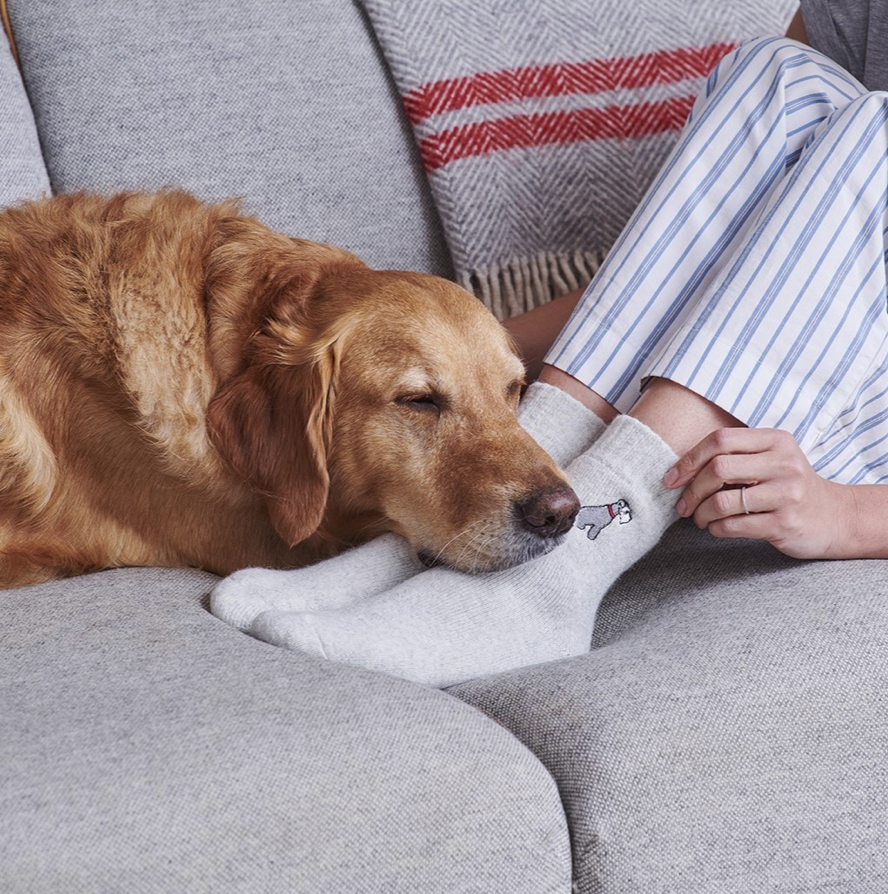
x=594, y=519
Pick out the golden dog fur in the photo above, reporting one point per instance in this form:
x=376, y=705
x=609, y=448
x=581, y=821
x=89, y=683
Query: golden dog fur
x=180, y=385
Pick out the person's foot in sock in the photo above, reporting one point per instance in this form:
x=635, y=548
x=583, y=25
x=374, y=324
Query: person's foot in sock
x=441, y=627
x=560, y=424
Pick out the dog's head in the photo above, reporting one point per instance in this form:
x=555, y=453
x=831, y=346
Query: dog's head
x=623, y=511
x=366, y=401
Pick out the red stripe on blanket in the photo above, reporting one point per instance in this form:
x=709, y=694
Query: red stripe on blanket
x=561, y=128
x=561, y=79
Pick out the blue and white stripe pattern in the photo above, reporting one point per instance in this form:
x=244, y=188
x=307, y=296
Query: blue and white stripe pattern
x=754, y=270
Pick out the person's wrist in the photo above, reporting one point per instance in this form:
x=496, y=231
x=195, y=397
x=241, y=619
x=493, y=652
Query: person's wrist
x=844, y=520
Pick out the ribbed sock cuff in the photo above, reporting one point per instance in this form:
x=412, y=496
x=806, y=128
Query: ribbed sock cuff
x=559, y=423
x=630, y=452
x=648, y=454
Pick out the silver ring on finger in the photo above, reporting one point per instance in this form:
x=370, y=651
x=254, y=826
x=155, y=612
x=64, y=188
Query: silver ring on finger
x=743, y=501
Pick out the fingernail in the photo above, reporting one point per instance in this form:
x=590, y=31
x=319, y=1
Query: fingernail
x=671, y=477
x=681, y=507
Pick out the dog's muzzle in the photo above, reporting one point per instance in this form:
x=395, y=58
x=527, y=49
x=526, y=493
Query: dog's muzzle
x=550, y=512
x=430, y=560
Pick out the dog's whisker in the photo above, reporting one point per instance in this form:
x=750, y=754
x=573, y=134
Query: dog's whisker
x=440, y=553
x=482, y=535
x=385, y=523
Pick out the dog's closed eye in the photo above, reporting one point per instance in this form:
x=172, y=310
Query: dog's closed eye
x=426, y=403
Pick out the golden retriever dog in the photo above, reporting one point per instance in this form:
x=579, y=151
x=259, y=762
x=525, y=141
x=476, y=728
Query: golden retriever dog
x=181, y=386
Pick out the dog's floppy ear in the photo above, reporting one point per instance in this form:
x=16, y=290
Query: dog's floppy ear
x=272, y=423
x=277, y=359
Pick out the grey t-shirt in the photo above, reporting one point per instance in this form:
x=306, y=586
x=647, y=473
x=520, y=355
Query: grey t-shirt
x=854, y=33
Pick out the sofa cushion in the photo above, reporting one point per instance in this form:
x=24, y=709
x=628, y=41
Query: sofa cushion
x=728, y=733
x=287, y=104
x=146, y=746
x=22, y=172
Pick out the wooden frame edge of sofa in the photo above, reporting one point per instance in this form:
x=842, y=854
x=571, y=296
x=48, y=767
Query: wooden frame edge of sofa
x=7, y=27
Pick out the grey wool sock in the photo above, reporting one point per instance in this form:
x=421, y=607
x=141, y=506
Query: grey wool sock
x=441, y=627
x=558, y=422
x=371, y=568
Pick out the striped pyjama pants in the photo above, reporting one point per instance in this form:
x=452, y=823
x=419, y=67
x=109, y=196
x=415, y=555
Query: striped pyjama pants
x=754, y=270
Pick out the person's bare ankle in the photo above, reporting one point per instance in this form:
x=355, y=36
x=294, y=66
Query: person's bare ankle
x=551, y=375
x=681, y=417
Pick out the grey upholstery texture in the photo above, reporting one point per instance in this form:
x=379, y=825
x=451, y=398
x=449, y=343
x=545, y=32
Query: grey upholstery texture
x=146, y=746
x=286, y=104
x=21, y=164
x=729, y=732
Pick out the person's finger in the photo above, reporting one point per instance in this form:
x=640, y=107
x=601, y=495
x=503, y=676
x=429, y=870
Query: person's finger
x=721, y=441
x=756, y=499
x=728, y=469
x=756, y=526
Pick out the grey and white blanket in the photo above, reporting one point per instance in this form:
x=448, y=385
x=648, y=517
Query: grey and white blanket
x=542, y=122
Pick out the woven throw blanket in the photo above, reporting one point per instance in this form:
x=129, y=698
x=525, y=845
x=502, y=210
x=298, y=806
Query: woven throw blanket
x=541, y=123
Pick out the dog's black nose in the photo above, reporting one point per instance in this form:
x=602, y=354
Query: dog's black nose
x=549, y=512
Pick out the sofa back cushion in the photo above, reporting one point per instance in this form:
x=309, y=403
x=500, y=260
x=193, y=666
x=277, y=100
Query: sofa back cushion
x=286, y=104
x=22, y=172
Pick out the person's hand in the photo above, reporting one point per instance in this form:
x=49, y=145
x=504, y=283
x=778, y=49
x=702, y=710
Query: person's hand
x=757, y=483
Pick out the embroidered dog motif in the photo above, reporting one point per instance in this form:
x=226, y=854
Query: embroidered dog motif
x=594, y=519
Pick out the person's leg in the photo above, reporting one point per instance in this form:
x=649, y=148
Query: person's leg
x=791, y=331
x=440, y=626
x=762, y=104
x=788, y=331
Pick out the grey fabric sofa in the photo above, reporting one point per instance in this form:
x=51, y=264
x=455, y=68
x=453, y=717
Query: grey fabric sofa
x=728, y=732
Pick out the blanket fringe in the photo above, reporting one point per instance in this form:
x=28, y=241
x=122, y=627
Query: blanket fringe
x=525, y=283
